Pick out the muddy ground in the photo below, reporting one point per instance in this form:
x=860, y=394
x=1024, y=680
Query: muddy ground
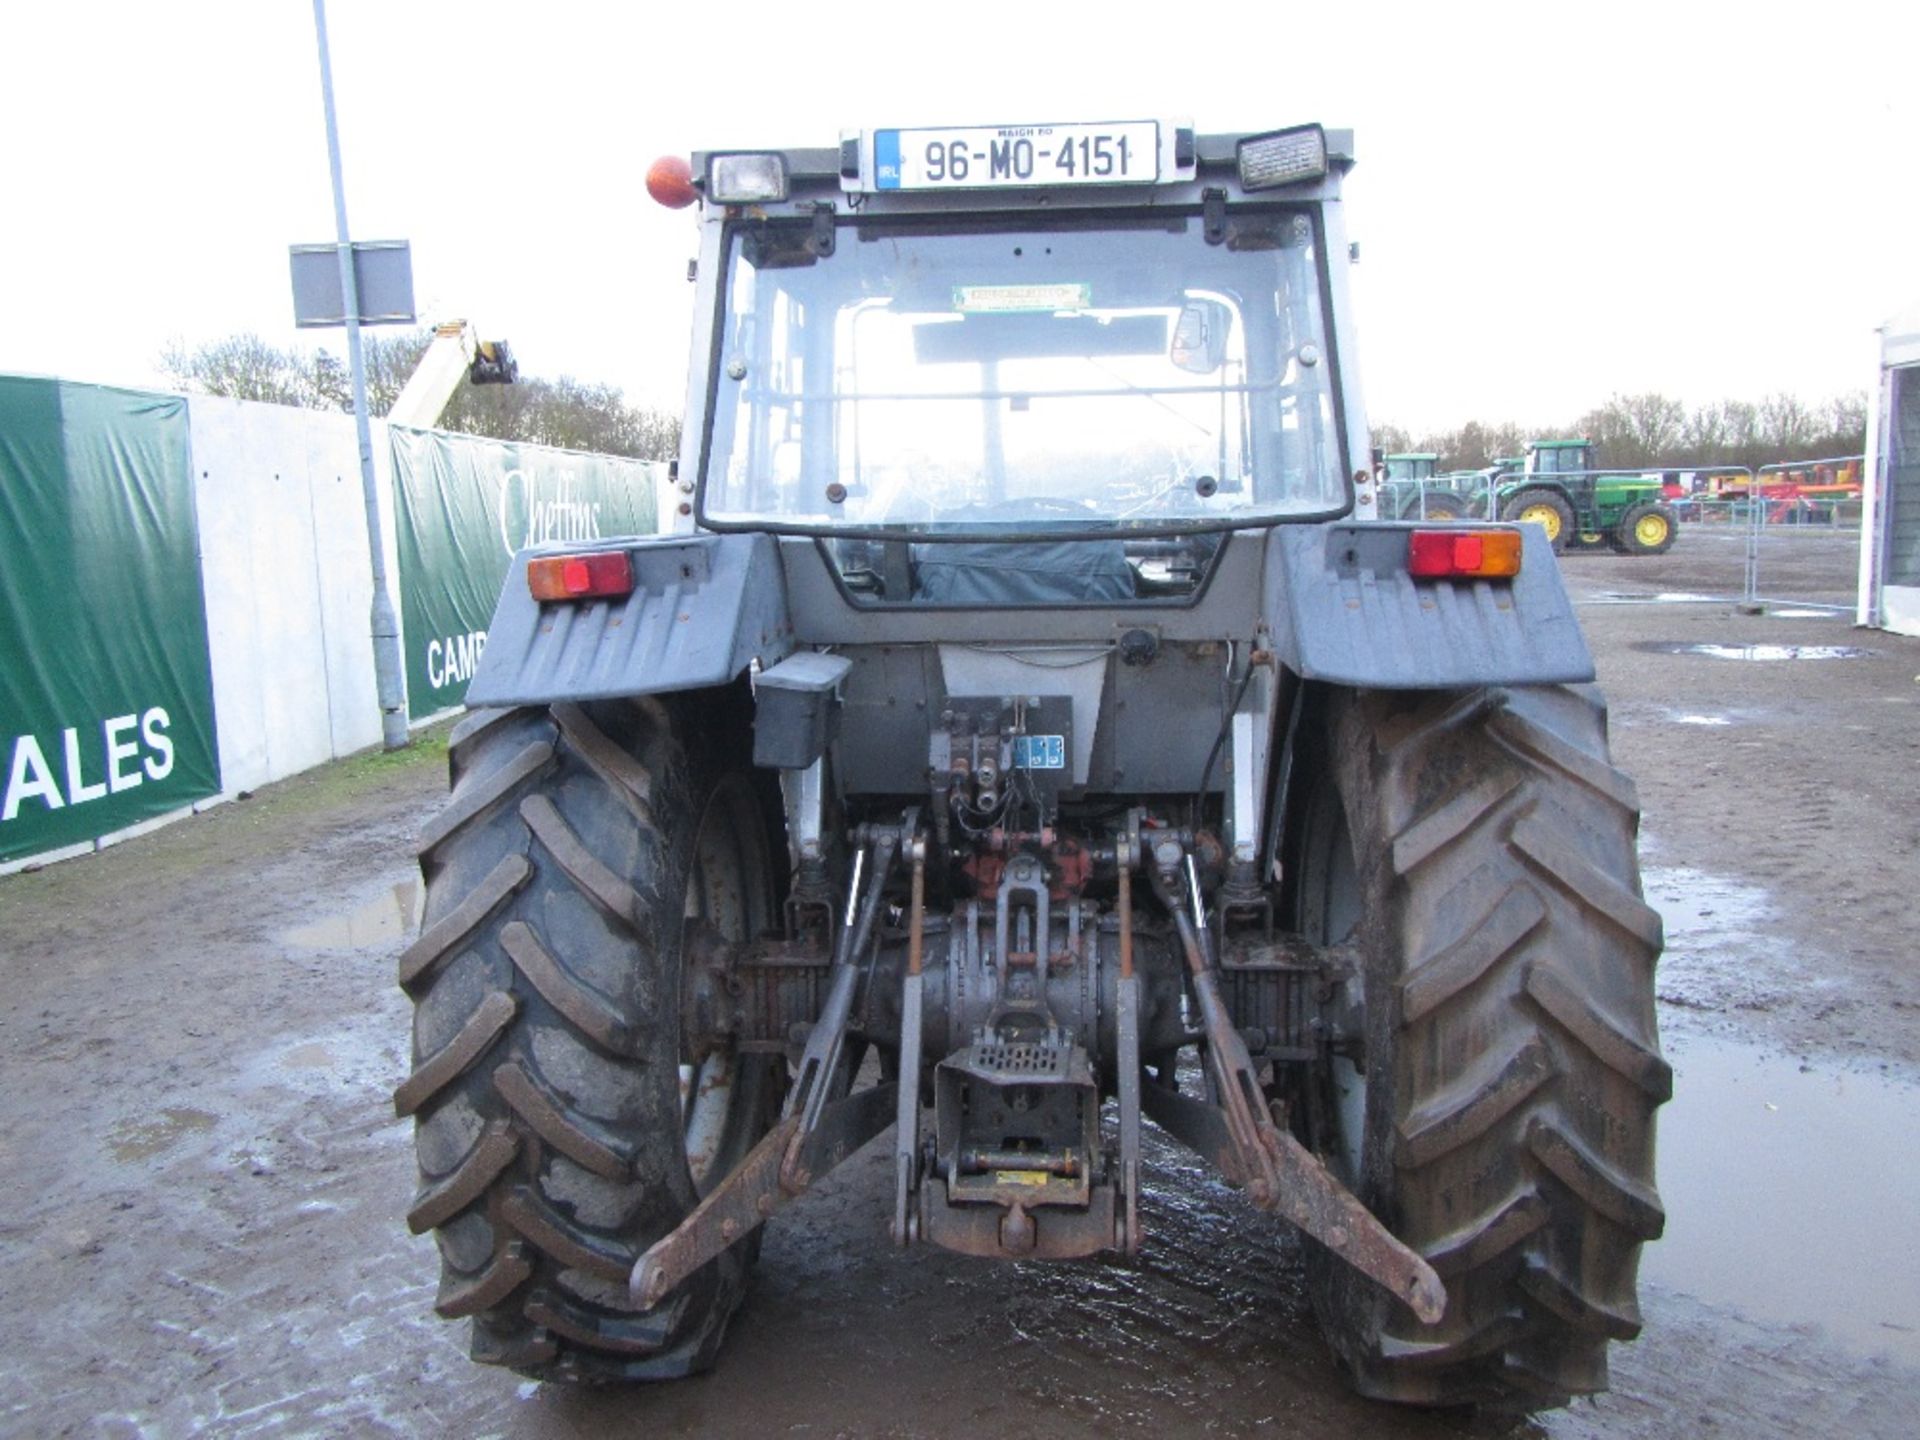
x=201, y=1183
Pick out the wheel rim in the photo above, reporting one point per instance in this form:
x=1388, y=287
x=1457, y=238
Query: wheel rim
x=721, y=900
x=1650, y=530
x=1545, y=516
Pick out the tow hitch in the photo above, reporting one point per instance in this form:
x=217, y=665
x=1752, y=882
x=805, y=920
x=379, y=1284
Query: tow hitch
x=1018, y=1165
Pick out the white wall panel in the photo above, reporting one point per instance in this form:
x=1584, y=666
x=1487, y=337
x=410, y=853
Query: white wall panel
x=284, y=563
x=257, y=568
x=344, y=582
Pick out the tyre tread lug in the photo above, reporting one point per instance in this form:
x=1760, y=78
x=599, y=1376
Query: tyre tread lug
x=452, y=1060
x=473, y=802
x=1632, y=1206
x=1458, y=1116
x=446, y=935
x=508, y=1271
x=581, y=1140
x=492, y=1153
x=619, y=771
x=527, y=1213
x=1432, y=981
x=613, y=895
x=1607, y=1039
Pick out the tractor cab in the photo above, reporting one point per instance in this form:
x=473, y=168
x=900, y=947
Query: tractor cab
x=1413, y=489
x=1021, y=365
x=1559, y=457
x=1412, y=467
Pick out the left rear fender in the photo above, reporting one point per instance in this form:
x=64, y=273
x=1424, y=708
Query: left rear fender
x=703, y=608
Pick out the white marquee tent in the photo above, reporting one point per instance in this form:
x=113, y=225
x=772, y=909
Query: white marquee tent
x=1890, y=547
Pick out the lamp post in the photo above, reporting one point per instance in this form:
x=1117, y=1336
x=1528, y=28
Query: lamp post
x=387, y=663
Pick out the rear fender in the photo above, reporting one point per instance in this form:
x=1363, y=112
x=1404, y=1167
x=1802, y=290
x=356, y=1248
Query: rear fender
x=1344, y=609
x=703, y=608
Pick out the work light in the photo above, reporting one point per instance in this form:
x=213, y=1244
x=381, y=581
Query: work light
x=746, y=179
x=1283, y=157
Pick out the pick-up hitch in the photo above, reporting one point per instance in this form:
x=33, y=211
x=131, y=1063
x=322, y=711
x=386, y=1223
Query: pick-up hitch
x=826, y=1121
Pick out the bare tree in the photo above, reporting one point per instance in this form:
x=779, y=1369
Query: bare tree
x=1706, y=431
x=1642, y=431
x=574, y=414
x=1392, y=439
x=243, y=367
x=1846, y=421
x=1787, y=424
x=390, y=360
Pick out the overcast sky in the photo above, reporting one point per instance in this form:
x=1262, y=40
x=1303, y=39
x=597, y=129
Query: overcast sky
x=1553, y=201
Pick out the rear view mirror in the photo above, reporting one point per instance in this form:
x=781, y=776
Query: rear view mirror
x=1200, y=337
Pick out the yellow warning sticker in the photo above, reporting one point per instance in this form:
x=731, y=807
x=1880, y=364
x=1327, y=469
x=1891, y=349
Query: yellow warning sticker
x=1021, y=1177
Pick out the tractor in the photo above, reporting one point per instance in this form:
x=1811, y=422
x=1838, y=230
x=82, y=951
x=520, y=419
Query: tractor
x=1022, y=731
x=1413, y=490
x=1582, y=509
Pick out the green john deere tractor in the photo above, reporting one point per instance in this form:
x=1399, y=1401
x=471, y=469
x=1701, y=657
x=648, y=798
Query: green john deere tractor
x=1581, y=509
x=1414, y=490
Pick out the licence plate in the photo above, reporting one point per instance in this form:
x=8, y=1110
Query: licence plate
x=985, y=157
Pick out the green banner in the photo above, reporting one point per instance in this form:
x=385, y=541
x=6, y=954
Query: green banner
x=462, y=507
x=106, y=693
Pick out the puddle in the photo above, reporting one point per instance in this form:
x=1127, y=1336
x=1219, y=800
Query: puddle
x=1789, y=1191
x=1706, y=910
x=392, y=916
x=1803, y=615
x=1789, y=1194
x=366, y=1061
x=143, y=1139
x=1712, y=924
x=1665, y=597
x=1635, y=716
x=1756, y=652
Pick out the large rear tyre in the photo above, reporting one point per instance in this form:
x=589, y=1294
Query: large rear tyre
x=1497, y=1111
x=1537, y=505
x=564, y=1120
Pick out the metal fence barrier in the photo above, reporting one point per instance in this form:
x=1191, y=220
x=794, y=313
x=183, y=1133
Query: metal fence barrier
x=1803, y=532
x=1796, y=523
x=1494, y=494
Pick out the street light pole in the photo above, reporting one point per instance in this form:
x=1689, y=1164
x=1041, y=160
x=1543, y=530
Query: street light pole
x=387, y=665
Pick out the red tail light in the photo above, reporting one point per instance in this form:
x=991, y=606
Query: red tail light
x=606, y=576
x=1457, y=554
